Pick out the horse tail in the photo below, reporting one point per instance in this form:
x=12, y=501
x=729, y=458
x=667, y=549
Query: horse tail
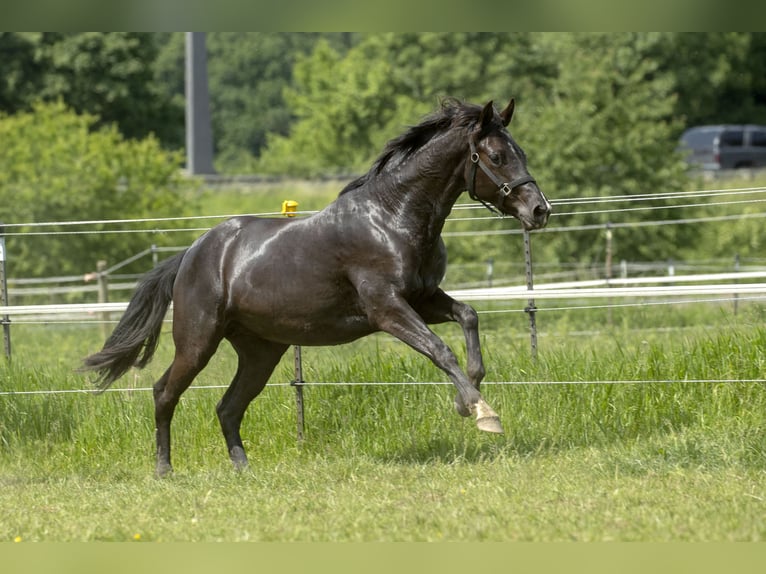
x=134, y=339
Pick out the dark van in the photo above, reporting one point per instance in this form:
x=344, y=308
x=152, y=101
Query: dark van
x=725, y=146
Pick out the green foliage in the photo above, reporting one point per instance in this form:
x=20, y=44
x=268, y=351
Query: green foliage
x=348, y=106
x=247, y=74
x=108, y=75
x=19, y=72
x=55, y=165
x=733, y=230
x=720, y=76
x=596, y=116
x=605, y=127
x=343, y=106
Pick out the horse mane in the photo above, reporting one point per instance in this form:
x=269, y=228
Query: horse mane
x=452, y=113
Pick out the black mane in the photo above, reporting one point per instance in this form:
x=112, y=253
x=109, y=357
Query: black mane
x=453, y=113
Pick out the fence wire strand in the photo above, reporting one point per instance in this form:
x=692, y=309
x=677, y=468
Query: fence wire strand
x=459, y=207
x=309, y=384
x=49, y=228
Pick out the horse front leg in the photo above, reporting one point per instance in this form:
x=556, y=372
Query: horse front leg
x=399, y=319
x=441, y=308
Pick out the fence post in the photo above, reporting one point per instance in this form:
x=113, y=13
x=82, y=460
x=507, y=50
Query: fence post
x=289, y=209
x=5, y=320
x=736, y=269
x=490, y=270
x=298, y=384
x=608, y=270
x=530, y=309
x=103, y=295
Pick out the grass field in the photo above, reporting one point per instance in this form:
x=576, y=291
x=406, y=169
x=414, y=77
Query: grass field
x=663, y=458
x=653, y=462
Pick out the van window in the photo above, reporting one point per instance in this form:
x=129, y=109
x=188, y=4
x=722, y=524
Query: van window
x=699, y=139
x=732, y=138
x=758, y=138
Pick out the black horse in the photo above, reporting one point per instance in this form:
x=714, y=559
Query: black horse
x=370, y=261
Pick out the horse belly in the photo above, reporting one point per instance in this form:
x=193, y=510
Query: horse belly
x=301, y=315
x=305, y=330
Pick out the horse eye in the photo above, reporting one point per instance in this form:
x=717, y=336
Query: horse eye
x=494, y=157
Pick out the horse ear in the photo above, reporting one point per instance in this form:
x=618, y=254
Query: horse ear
x=485, y=118
x=507, y=113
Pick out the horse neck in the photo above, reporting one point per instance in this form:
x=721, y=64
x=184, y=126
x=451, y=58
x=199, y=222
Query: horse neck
x=423, y=189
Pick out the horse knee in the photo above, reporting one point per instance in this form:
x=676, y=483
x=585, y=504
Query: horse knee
x=476, y=374
x=471, y=318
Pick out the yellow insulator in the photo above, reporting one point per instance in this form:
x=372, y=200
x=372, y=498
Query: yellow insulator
x=289, y=207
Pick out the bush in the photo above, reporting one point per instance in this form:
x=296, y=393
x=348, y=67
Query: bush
x=56, y=166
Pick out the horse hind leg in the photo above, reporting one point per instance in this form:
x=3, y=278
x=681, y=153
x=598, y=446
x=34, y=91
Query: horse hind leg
x=257, y=360
x=167, y=392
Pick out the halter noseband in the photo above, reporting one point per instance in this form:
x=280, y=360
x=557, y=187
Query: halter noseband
x=504, y=188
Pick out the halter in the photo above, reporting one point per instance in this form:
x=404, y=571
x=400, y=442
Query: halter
x=504, y=188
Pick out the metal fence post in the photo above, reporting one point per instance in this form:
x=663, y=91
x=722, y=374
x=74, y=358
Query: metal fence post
x=530, y=309
x=289, y=209
x=5, y=319
x=736, y=270
x=490, y=271
x=608, y=271
x=298, y=384
x=103, y=295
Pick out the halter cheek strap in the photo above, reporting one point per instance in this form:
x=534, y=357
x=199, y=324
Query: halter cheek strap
x=504, y=188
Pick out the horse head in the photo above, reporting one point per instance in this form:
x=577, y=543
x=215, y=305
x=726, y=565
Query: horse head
x=496, y=172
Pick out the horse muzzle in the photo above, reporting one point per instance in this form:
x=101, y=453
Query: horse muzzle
x=540, y=213
x=527, y=204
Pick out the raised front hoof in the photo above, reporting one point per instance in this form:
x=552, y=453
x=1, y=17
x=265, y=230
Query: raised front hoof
x=486, y=418
x=490, y=424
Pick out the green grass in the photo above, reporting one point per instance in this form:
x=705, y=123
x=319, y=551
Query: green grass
x=662, y=461
x=671, y=460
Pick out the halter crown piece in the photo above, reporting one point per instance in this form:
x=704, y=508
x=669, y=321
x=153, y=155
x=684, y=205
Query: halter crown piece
x=504, y=188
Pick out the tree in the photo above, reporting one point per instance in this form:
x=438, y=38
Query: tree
x=596, y=115
x=720, y=77
x=20, y=72
x=607, y=128
x=56, y=165
x=108, y=75
x=342, y=105
x=248, y=73
x=347, y=105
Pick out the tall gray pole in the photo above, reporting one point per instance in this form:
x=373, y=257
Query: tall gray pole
x=199, y=133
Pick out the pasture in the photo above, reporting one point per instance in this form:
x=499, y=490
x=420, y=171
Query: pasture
x=631, y=448
x=669, y=460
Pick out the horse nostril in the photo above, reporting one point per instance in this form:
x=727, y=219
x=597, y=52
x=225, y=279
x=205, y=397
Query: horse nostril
x=541, y=212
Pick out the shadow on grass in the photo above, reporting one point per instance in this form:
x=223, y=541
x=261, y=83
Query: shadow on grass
x=477, y=449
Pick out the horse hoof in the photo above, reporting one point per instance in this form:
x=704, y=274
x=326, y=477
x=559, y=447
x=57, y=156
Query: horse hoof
x=238, y=458
x=163, y=469
x=490, y=424
x=487, y=419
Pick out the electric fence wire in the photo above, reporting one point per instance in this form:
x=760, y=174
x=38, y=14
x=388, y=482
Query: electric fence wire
x=25, y=228
x=129, y=390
